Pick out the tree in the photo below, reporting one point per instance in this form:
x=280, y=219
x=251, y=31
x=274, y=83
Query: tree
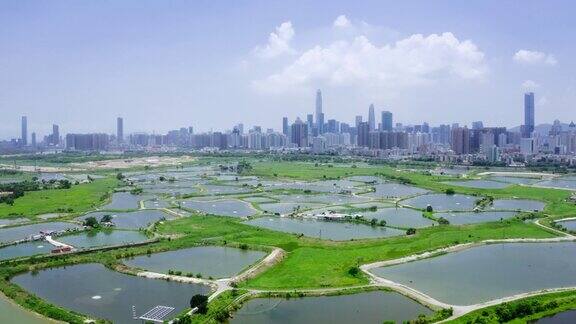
x=119, y=176
x=200, y=302
x=374, y=222
x=429, y=209
x=443, y=221
x=106, y=218
x=65, y=184
x=411, y=231
x=91, y=222
x=450, y=191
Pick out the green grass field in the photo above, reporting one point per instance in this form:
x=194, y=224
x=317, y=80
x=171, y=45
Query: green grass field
x=79, y=198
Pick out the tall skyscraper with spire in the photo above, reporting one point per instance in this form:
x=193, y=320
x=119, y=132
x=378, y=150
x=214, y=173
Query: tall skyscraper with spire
x=371, y=118
x=319, y=114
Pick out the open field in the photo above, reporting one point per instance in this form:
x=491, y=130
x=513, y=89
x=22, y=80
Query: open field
x=79, y=198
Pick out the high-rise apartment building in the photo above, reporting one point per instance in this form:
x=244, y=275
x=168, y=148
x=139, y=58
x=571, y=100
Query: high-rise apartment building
x=363, y=134
x=461, y=140
x=285, y=126
x=387, y=121
x=299, y=133
x=55, y=136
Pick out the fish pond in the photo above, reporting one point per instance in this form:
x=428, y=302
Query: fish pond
x=468, y=277
x=336, y=231
x=213, y=261
x=94, y=290
x=367, y=307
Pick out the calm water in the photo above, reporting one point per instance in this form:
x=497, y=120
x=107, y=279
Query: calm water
x=25, y=249
x=570, y=225
x=337, y=231
x=103, y=238
x=131, y=220
x=368, y=307
x=287, y=208
x=518, y=204
x=122, y=201
x=567, y=317
x=258, y=199
x=157, y=203
x=468, y=277
x=482, y=184
x=443, y=202
x=333, y=199
x=366, y=179
x=515, y=180
x=228, y=207
x=474, y=218
x=559, y=183
x=215, y=261
x=400, y=217
x=22, y=232
x=12, y=313
x=395, y=190
x=97, y=291
x=218, y=189
x=12, y=221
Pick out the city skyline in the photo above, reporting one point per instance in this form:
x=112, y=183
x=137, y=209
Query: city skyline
x=177, y=72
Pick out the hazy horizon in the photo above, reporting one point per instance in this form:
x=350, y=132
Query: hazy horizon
x=211, y=65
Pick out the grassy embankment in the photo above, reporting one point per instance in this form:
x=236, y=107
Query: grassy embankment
x=79, y=198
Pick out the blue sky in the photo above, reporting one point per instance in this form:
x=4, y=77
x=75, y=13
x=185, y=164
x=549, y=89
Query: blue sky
x=211, y=64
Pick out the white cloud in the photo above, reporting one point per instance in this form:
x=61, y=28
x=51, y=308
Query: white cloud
x=408, y=62
x=278, y=42
x=534, y=58
x=342, y=22
x=530, y=85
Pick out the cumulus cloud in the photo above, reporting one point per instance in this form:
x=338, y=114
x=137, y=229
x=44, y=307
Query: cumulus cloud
x=342, y=22
x=278, y=42
x=415, y=60
x=530, y=85
x=534, y=58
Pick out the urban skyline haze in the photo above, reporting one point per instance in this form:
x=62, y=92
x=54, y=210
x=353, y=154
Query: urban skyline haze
x=163, y=67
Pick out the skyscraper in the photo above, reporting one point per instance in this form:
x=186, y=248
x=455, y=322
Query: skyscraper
x=528, y=126
x=285, y=126
x=363, y=134
x=371, y=117
x=319, y=115
x=461, y=140
x=387, y=121
x=24, y=128
x=120, y=129
x=299, y=133
x=358, y=120
x=55, y=137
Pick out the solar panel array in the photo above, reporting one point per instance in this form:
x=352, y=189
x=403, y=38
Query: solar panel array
x=157, y=314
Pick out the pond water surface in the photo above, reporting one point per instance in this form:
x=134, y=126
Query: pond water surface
x=368, y=307
x=94, y=290
x=464, y=218
x=337, y=231
x=122, y=201
x=11, y=234
x=443, y=202
x=12, y=313
x=468, y=277
x=103, y=238
x=215, y=261
x=400, y=217
x=226, y=207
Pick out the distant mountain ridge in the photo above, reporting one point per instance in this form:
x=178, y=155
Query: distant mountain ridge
x=542, y=129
